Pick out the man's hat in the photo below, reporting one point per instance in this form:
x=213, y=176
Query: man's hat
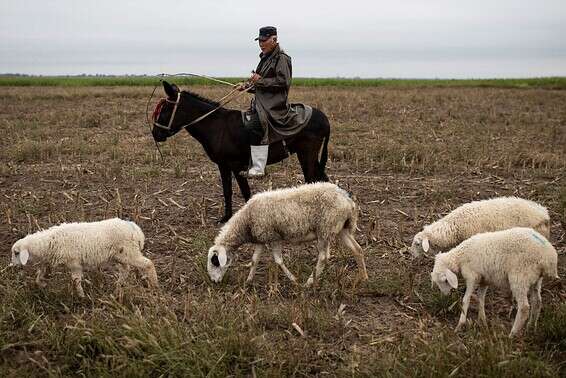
x=266, y=32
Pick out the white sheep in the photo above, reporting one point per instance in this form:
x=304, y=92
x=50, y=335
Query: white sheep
x=319, y=211
x=514, y=260
x=79, y=245
x=481, y=216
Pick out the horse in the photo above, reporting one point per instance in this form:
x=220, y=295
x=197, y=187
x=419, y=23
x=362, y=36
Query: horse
x=225, y=140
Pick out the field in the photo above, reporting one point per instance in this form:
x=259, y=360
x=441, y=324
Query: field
x=409, y=154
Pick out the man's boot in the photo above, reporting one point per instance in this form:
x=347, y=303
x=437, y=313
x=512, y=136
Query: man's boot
x=259, y=160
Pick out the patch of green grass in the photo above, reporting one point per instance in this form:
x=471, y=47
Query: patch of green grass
x=386, y=285
x=69, y=81
x=439, y=304
x=153, y=346
x=552, y=327
x=201, y=240
x=81, y=81
x=32, y=151
x=103, y=337
x=477, y=353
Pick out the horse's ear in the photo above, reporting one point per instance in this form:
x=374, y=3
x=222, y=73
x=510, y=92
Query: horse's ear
x=170, y=90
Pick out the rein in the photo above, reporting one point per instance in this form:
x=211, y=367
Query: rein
x=198, y=75
x=221, y=102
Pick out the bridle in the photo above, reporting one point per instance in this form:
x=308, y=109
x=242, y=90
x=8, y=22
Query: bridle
x=158, y=111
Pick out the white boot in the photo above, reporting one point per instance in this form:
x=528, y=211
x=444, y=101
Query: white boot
x=259, y=160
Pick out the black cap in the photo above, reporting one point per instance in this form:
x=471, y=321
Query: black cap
x=266, y=32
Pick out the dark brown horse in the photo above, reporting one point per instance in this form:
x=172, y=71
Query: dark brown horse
x=226, y=141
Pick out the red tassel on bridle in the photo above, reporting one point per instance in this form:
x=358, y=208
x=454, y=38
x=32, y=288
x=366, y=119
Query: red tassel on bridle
x=157, y=109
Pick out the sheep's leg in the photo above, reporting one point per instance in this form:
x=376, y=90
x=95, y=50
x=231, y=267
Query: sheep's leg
x=258, y=250
x=349, y=241
x=511, y=306
x=470, y=288
x=42, y=273
x=276, y=251
x=535, y=299
x=146, y=265
x=522, y=311
x=481, y=297
x=76, y=277
x=323, y=247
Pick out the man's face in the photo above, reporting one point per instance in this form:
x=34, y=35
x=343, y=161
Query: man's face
x=268, y=45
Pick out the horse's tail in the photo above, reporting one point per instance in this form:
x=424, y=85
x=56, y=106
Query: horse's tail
x=323, y=159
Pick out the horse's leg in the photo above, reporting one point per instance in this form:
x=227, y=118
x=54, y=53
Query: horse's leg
x=308, y=158
x=226, y=176
x=244, y=186
x=321, y=172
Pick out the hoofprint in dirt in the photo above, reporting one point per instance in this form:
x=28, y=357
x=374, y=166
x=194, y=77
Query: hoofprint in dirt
x=408, y=155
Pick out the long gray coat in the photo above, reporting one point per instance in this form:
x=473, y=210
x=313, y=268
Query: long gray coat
x=271, y=92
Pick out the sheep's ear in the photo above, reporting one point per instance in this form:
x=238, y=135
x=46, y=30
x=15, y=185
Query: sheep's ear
x=24, y=256
x=222, y=258
x=452, y=279
x=426, y=245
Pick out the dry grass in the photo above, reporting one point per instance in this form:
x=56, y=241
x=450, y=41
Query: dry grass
x=409, y=155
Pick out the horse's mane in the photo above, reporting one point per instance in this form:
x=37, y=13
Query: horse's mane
x=201, y=98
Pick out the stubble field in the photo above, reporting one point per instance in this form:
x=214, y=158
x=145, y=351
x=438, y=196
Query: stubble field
x=409, y=155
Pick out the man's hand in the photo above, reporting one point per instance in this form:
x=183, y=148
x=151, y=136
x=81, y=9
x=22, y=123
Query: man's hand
x=255, y=77
x=242, y=86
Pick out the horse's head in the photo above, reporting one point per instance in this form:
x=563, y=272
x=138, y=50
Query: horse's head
x=166, y=119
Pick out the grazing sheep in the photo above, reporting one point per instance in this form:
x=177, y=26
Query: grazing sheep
x=481, y=216
x=78, y=245
x=319, y=211
x=513, y=260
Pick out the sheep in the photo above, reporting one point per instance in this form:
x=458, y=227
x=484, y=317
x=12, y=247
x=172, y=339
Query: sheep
x=87, y=244
x=319, y=211
x=481, y=216
x=514, y=260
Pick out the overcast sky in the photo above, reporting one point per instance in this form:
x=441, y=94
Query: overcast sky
x=405, y=38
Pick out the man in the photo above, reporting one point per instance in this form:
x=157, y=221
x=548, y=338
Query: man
x=271, y=81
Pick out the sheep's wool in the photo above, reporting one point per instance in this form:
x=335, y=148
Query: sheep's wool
x=90, y=243
x=483, y=216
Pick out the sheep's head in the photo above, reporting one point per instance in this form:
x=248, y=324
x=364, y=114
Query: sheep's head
x=219, y=260
x=443, y=277
x=420, y=245
x=20, y=254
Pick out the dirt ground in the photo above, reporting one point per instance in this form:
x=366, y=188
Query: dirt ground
x=408, y=155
